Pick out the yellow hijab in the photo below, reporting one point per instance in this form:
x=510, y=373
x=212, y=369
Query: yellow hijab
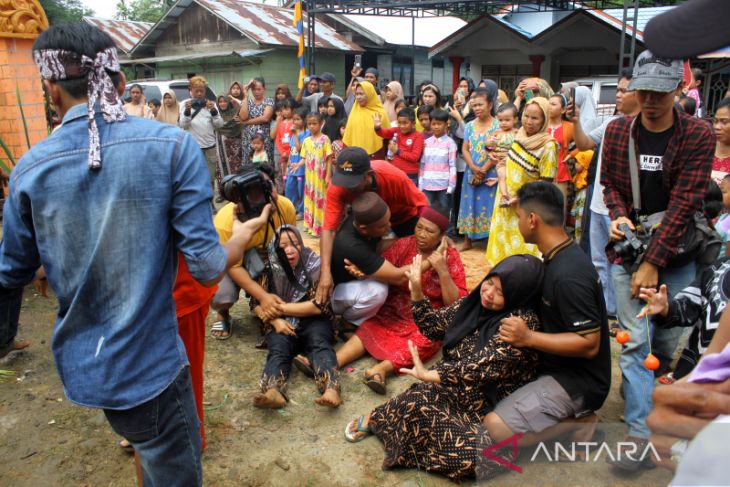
x=360, y=128
x=537, y=140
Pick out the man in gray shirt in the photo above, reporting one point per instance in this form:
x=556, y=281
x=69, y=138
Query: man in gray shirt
x=326, y=85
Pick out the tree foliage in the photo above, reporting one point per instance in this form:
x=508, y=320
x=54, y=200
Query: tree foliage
x=142, y=10
x=59, y=11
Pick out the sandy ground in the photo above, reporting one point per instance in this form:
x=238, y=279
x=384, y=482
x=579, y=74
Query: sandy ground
x=47, y=440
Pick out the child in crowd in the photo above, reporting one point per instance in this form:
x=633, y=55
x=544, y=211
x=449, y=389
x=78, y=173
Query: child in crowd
x=406, y=145
x=424, y=118
x=338, y=145
x=437, y=175
x=258, y=145
x=316, y=153
x=502, y=140
x=295, y=174
x=282, y=135
x=154, y=105
x=322, y=105
x=399, y=105
x=562, y=132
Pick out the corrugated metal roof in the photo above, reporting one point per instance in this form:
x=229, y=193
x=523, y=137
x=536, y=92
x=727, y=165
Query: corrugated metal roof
x=124, y=33
x=196, y=55
x=267, y=24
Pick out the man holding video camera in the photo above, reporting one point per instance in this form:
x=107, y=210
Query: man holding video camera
x=247, y=193
x=671, y=154
x=200, y=117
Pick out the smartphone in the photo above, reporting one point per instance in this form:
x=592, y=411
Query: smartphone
x=358, y=60
x=572, y=101
x=446, y=107
x=529, y=95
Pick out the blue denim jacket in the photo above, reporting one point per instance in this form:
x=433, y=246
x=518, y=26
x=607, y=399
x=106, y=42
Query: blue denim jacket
x=108, y=239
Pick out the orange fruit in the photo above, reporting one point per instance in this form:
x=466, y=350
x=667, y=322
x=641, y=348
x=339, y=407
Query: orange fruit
x=622, y=337
x=651, y=362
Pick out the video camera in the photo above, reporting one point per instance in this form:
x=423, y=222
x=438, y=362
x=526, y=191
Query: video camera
x=250, y=188
x=198, y=104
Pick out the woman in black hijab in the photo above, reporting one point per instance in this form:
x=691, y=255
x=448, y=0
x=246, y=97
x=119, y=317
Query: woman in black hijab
x=435, y=424
x=335, y=115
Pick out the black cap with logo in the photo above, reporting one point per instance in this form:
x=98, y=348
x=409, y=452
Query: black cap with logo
x=352, y=165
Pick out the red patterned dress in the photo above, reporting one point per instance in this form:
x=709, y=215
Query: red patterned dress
x=386, y=335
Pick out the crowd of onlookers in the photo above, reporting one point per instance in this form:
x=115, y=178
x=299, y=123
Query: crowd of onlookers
x=587, y=221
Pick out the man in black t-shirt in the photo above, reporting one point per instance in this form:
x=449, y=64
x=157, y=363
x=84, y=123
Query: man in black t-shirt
x=357, y=241
x=574, y=375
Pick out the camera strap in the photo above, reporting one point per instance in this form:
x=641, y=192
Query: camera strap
x=195, y=113
x=634, y=169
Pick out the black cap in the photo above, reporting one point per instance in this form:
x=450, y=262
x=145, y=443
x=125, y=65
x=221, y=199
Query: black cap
x=352, y=165
x=327, y=77
x=695, y=27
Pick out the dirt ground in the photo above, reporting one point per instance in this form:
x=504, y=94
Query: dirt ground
x=47, y=440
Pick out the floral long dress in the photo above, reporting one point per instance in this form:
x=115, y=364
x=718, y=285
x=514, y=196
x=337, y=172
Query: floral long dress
x=522, y=167
x=477, y=203
x=256, y=110
x=316, y=154
x=437, y=427
x=386, y=335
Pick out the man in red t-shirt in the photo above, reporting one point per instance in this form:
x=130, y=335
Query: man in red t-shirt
x=354, y=174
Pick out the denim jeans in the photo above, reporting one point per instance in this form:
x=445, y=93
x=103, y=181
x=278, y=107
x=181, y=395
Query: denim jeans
x=165, y=431
x=314, y=339
x=599, y=236
x=294, y=190
x=638, y=381
x=10, y=302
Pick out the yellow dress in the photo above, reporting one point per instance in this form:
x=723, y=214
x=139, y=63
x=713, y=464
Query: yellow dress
x=522, y=167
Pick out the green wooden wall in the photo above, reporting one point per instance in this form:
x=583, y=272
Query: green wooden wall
x=278, y=66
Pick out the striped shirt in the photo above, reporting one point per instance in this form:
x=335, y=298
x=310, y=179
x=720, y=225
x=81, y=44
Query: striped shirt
x=438, y=165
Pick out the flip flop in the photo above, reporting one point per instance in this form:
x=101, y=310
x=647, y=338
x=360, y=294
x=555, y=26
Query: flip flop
x=349, y=435
x=224, y=326
x=13, y=346
x=303, y=366
x=126, y=446
x=378, y=386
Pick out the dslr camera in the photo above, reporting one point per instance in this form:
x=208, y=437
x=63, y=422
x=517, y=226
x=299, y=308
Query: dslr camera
x=198, y=104
x=249, y=188
x=634, y=244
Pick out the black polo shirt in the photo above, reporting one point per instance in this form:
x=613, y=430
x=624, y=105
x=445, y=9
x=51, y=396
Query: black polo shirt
x=360, y=250
x=572, y=301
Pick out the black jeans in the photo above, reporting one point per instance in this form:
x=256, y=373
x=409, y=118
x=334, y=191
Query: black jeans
x=314, y=340
x=10, y=301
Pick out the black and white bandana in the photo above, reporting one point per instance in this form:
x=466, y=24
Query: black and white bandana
x=59, y=64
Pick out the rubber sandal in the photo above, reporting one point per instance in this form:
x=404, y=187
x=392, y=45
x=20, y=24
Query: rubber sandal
x=13, y=346
x=613, y=329
x=126, y=446
x=303, y=366
x=667, y=379
x=377, y=386
x=221, y=326
x=349, y=435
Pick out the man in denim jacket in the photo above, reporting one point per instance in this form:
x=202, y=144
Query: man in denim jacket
x=105, y=204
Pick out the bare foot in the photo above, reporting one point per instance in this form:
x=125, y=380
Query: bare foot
x=13, y=346
x=271, y=399
x=465, y=245
x=331, y=398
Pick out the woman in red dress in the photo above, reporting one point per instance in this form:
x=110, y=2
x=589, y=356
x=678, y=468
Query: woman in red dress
x=721, y=124
x=385, y=337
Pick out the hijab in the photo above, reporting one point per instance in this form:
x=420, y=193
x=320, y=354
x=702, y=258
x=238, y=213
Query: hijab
x=493, y=94
x=332, y=123
x=169, y=115
x=536, y=141
x=543, y=88
x=360, y=130
x=231, y=128
x=587, y=106
x=292, y=285
x=240, y=87
x=396, y=88
x=521, y=277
